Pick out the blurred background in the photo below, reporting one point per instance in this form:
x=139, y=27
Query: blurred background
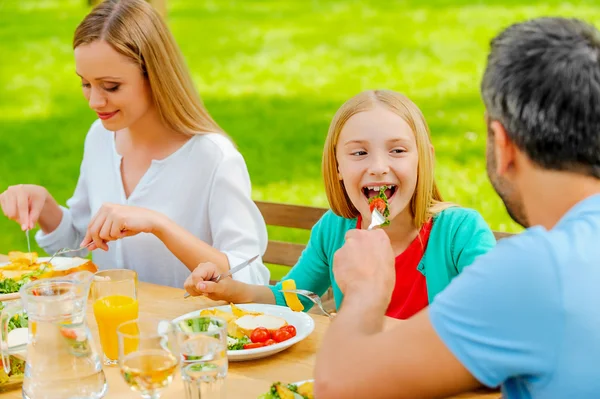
x=272, y=73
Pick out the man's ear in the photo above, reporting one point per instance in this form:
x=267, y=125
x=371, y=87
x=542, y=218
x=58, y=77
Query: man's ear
x=504, y=149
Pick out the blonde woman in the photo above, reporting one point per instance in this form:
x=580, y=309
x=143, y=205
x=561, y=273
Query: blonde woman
x=155, y=162
x=377, y=138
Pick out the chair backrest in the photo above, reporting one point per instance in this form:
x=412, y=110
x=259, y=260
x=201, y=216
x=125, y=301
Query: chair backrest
x=292, y=216
x=299, y=217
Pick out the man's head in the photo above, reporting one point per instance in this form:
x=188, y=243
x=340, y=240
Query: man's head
x=541, y=89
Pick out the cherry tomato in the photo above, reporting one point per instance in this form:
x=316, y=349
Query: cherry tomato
x=254, y=345
x=270, y=342
x=281, y=335
x=260, y=334
x=289, y=328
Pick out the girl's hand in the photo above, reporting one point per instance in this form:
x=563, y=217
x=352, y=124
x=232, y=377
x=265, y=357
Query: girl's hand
x=227, y=289
x=24, y=204
x=113, y=222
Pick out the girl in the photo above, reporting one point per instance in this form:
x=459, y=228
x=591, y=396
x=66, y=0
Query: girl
x=155, y=162
x=377, y=138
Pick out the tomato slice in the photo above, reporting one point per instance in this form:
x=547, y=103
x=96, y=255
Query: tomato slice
x=378, y=203
x=254, y=345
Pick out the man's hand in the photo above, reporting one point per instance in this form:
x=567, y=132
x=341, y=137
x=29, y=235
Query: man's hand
x=366, y=264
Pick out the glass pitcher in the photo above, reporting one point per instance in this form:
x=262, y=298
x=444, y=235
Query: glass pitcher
x=61, y=358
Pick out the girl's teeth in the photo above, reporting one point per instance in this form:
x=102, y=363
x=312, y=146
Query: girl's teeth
x=376, y=188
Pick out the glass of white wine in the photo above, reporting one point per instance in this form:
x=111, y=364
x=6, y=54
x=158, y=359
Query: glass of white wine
x=148, y=355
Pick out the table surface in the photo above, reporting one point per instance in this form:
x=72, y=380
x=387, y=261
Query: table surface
x=247, y=379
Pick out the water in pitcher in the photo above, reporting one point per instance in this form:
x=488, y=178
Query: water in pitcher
x=61, y=360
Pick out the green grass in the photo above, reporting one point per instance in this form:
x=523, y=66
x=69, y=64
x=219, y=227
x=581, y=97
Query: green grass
x=272, y=73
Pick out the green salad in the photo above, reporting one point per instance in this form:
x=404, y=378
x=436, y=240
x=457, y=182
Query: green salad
x=206, y=325
x=9, y=285
x=17, y=366
x=236, y=344
x=289, y=391
x=380, y=202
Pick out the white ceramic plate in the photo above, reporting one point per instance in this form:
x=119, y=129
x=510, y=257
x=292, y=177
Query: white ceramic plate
x=59, y=262
x=304, y=326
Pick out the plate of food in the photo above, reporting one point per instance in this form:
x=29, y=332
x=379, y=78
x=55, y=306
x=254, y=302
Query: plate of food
x=255, y=331
x=23, y=267
x=296, y=390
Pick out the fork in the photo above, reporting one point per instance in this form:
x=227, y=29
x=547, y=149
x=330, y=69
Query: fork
x=63, y=251
x=313, y=297
x=377, y=219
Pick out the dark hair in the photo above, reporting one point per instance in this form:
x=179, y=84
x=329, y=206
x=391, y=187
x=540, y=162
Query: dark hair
x=542, y=82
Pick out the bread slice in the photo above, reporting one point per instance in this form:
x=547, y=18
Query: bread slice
x=248, y=323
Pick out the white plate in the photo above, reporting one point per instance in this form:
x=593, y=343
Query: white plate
x=59, y=262
x=304, y=326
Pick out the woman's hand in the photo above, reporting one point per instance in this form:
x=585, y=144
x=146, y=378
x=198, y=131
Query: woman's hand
x=113, y=222
x=24, y=203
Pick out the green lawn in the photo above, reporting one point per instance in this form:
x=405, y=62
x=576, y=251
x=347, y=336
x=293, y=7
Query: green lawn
x=272, y=73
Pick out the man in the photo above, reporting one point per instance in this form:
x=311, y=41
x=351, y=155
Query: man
x=526, y=315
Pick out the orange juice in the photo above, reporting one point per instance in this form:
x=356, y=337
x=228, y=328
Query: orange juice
x=110, y=311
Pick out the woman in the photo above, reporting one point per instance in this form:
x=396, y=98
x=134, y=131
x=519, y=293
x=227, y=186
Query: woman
x=154, y=162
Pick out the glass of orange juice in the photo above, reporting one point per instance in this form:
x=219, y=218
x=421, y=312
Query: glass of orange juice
x=114, y=294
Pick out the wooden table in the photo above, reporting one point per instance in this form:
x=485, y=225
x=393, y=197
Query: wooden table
x=245, y=379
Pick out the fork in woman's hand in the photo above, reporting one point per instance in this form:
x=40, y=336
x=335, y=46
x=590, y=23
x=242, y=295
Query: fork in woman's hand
x=63, y=251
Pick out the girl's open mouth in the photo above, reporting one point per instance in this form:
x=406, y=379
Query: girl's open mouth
x=373, y=191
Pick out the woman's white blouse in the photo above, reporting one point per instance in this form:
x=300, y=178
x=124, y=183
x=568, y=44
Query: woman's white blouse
x=204, y=187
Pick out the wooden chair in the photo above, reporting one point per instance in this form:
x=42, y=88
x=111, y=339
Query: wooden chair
x=290, y=216
x=299, y=217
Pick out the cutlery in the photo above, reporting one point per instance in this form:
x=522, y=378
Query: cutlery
x=28, y=242
x=231, y=271
x=377, y=219
x=313, y=297
x=67, y=250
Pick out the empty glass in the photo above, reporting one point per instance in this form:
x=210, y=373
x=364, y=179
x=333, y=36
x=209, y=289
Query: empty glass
x=148, y=355
x=202, y=341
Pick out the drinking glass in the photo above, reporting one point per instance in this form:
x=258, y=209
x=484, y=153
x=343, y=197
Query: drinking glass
x=114, y=293
x=148, y=355
x=202, y=341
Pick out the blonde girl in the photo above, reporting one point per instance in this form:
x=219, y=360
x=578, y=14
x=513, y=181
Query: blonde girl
x=377, y=138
